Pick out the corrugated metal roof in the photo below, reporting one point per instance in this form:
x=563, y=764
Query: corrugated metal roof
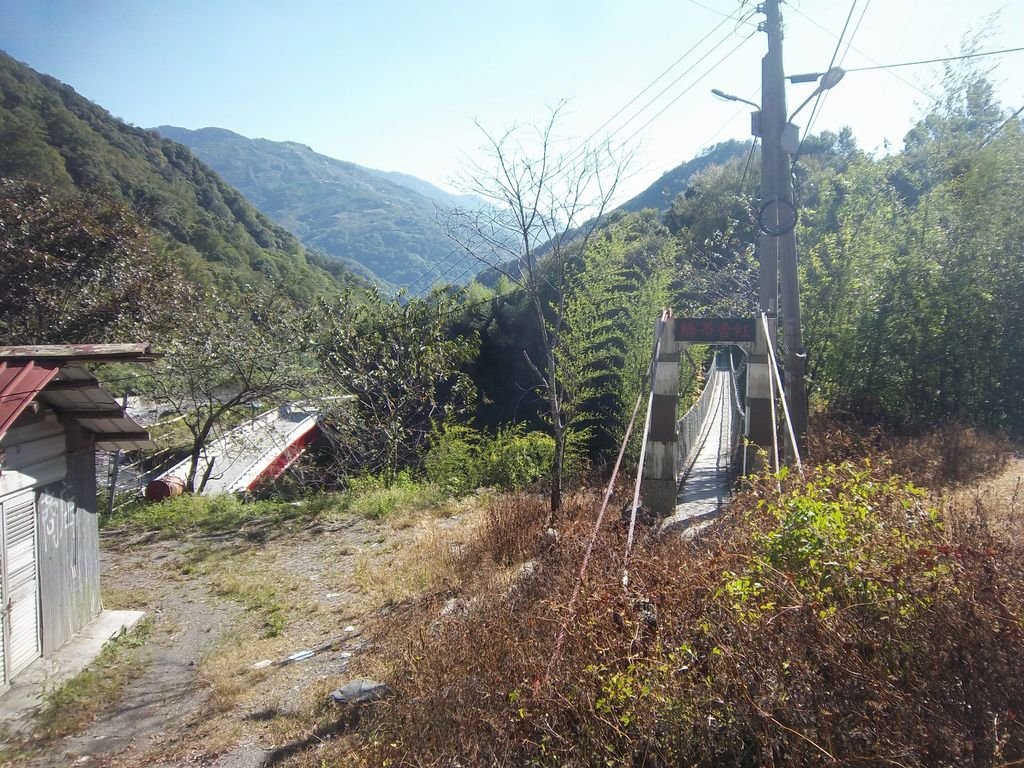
x=19, y=384
x=72, y=392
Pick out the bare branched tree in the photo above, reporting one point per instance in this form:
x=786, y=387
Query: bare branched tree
x=543, y=205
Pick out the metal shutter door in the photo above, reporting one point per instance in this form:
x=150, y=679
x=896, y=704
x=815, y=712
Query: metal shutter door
x=21, y=582
x=3, y=607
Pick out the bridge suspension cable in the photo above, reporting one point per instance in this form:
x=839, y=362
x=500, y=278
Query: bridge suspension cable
x=776, y=381
x=643, y=447
x=570, y=615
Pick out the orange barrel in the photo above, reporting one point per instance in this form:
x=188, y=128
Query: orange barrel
x=164, y=488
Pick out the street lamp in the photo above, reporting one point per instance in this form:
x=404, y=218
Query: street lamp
x=729, y=97
x=828, y=79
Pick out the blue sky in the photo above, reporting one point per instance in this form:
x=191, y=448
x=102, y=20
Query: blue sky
x=398, y=85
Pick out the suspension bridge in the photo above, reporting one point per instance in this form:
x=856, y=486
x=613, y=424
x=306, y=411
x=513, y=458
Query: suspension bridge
x=691, y=462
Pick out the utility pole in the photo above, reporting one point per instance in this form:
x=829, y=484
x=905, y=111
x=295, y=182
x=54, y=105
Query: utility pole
x=777, y=220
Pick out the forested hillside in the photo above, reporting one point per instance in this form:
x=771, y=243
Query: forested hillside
x=71, y=147
x=675, y=182
x=373, y=222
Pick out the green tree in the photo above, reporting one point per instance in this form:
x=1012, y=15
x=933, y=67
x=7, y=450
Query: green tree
x=79, y=269
x=912, y=270
x=613, y=301
x=402, y=368
x=243, y=356
x=715, y=227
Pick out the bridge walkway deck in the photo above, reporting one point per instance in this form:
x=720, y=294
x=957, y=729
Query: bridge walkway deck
x=705, y=485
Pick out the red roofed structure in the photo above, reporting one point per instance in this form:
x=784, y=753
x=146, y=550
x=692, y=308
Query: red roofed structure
x=54, y=414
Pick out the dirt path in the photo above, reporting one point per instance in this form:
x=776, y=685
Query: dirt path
x=188, y=621
x=223, y=607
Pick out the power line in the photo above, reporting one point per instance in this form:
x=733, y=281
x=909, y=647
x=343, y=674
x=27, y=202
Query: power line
x=581, y=149
x=737, y=19
x=1000, y=127
x=746, y=167
x=432, y=269
x=842, y=59
x=936, y=61
x=654, y=82
x=688, y=88
x=817, y=100
x=667, y=106
x=467, y=270
x=896, y=75
x=856, y=29
x=839, y=42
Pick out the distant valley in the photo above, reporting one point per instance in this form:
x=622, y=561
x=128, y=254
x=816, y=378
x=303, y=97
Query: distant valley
x=382, y=225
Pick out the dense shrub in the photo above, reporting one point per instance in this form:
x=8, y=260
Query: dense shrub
x=517, y=459
x=453, y=461
x=379, y=496
x=462, y=459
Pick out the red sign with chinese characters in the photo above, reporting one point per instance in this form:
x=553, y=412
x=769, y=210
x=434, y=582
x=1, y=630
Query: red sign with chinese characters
x=716, y=330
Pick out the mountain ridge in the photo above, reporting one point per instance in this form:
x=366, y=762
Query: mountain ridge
x=676, y=181
x=360, y=216
x=54, y=136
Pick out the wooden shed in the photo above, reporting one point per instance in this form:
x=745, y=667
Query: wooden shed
x=54, y=415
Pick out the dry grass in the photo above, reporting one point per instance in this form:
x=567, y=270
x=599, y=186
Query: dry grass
x=133, y=598
x=997, y=500
x=424, y=565
x=953, y=454
x=433, y=558
x=843, y=622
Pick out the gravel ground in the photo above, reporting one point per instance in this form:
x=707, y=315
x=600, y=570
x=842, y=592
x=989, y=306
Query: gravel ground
x=205, y=699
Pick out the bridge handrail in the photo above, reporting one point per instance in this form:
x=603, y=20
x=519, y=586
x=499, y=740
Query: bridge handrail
x=738, y=417
x=734, y=374
x=691, y=425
